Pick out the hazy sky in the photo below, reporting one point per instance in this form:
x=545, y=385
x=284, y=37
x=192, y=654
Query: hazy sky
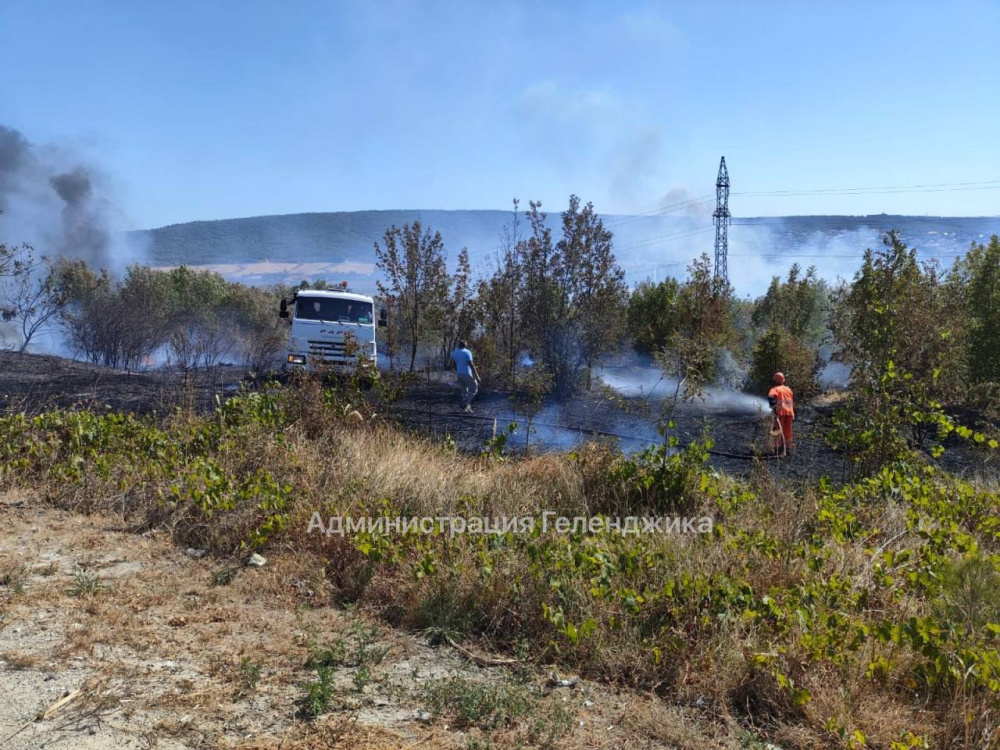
x=202, y=110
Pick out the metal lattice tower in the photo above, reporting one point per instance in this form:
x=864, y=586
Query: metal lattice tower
x=721, y=218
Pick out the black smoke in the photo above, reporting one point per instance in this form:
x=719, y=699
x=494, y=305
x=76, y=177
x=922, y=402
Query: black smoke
x=54, y=201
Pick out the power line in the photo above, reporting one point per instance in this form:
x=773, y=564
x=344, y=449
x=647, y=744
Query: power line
x=687, y=233
x=661, y=211
x=655, y=240
x=874, y=221
x=949, y=254
x=873, y=190
x=927, y=188
x=867, y=219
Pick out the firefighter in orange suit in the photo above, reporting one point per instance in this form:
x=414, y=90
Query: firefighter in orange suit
x=782, y=402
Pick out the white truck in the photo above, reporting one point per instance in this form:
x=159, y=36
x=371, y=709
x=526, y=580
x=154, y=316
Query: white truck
x=330, y=327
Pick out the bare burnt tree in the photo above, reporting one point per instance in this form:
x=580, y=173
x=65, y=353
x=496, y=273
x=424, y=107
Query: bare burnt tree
x=31, y=294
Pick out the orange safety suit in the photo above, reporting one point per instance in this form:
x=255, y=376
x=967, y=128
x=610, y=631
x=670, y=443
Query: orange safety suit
x=783, y=403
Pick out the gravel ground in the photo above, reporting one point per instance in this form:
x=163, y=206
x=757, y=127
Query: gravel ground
x=149, y=654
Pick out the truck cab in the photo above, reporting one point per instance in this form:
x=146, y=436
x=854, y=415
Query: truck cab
x=330, y=327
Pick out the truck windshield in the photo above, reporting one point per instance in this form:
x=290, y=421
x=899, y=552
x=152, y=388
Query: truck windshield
x=332, y=309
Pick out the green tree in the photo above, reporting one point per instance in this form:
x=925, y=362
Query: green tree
x=777, y=350
x=652, y=314
x=143, y=299
x=259, y=333
x=540, y=292
x=197, y=333
x=594, y=295
x=705, y=328
x=896, y=312
x=799, y=305
x=415, y=280
x=499, y=301
x=792, y=315
x=30, y=294
x=979, y=276
x=457, y=317
x=92, y=318
x=895, y=327
x=574, y=294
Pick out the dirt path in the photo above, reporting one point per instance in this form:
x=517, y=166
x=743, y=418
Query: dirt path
x=155, y=649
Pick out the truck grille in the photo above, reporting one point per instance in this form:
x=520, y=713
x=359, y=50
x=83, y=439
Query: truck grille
x=327, y=350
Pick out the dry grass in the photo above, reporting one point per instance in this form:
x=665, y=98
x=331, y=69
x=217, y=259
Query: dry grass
x=15, y=660
x=740, y=637
x=340, y=733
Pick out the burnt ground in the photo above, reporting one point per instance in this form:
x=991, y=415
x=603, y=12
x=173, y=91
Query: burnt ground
x=430, y=406
x=737, y=430
x=33, y=383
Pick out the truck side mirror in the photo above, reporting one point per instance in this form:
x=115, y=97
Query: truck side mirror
x=383, y=318
x=283, y=310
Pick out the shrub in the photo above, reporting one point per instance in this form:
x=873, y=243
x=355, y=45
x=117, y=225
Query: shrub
x=779, y=351
x=652, y=315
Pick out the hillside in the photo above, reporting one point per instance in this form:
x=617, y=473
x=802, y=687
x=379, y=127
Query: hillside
x=269, y=249
x=327, y=237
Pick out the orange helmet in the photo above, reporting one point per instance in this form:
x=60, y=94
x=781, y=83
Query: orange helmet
x=779, y=378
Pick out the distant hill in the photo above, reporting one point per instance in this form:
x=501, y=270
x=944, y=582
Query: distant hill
x=266, y=249
x=318, y=237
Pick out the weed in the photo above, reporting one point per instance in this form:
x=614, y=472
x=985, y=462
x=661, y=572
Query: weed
x=367, y=650
x=85, y=584
x=317, y=694
x=750, y=741
x=17, y=661
x=248, y=678
x=800, y=604
x=361, y=678
x=224, y=576
x=14, y=577
x=497, y=706
x=356, y=648
x=331, y=656
x=487, y=706
x=970, y=595
x=549, y=725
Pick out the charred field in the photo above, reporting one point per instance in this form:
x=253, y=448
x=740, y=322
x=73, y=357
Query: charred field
x=738, y=434
x=428, y=405
x=33, y=383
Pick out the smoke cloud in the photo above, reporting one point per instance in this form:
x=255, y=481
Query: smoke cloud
x=649, y=382
x=54, y=201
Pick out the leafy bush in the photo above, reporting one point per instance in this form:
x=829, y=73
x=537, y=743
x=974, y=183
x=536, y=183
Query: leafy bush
x=652, y=314
x=194, y=318
x=778, y=351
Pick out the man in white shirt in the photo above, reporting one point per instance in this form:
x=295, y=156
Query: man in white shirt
x=468, y=376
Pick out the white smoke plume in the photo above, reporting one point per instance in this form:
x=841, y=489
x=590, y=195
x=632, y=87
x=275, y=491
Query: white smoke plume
x=648, y=381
